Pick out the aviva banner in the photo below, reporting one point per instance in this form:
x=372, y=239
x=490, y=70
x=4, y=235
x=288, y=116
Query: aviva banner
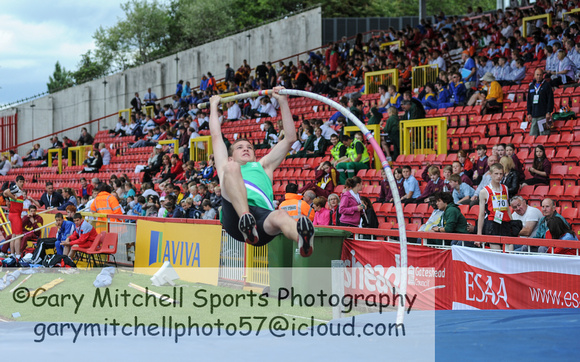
x=192, y=249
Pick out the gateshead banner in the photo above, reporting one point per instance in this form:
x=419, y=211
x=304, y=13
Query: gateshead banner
x=372, y=267
x=488, y=280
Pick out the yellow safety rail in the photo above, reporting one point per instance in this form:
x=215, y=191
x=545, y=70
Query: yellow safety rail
x=150, y=110
x=80, y=152
x=58, y=151
x=175, y=144
x=424, y=136
x=257, y=265
x=376, y=129
x=200, y=148
x=5, y=223
x=374, y=79
x=424, y=74
x=398, y=44
x=128, y=111
x=568, y=13
x=532, y=18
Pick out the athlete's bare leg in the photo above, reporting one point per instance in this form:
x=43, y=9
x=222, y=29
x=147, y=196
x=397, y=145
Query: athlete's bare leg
x=234, y=189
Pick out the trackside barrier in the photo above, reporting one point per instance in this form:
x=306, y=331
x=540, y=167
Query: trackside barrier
x=376, y=130
x=548, y=18
x=200, y=148
x=257, y=265
x=424, y=74
x=424, y=136
x=232, y=259
x=385, y=77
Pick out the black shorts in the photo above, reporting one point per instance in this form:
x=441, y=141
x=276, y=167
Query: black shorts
x=230, y=221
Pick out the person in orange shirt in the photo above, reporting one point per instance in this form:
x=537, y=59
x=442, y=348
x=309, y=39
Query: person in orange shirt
x=294, y=205
x=105, y=203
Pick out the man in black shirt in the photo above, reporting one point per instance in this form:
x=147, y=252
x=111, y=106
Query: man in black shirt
x=50, y=198
x=540, y=103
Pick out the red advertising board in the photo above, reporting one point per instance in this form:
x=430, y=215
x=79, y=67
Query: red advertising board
x=372, y=267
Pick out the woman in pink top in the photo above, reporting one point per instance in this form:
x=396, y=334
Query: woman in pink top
x=350, y=203
x=322, y=215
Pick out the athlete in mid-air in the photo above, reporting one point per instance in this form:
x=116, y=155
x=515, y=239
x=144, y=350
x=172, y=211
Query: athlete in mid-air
x=248, y=212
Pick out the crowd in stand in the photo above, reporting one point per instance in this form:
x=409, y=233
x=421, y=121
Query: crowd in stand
x=493, y=53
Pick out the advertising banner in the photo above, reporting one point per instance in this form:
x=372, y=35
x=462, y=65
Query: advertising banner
x=487, y=280
x=372, y=267
x=193, y=250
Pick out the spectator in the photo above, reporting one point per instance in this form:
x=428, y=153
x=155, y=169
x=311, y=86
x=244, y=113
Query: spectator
x=391, y=131
x=549, y=211
x=461, y=192
x=334, y=209
x=431, y=175
x=230, y=74
x=466, y=163
x=540, y=169
x=510, y=152
x=411, y=186
x=325, y=180
x=338, y=150
x=493, y=216
x=65, y=229
x=294, y=205
x=458, y=90
x=396, y=97
x=369, y=217
x=540, y=104
x=469, y=70
x=529, y=216
x=322, y=214
x=384, y=100
x=5, y=165
x=452, y=220
x=566, y=70
x=49, y=198
x=150, y=98
x=15, y=159
x=386, y=194
x=511, y=176
x=356, y=159
x=136, y=104
x=350, y=203
x=105, y=154
x=69, y=198
x=82, y=236
x=93, y=164
x=270, y=137
x=36, y=153
x=561, y=230
x=216, y=198
x=492, y=102
x=209, y=212
x=234, y=111
x=85, y=139
x=458, y=170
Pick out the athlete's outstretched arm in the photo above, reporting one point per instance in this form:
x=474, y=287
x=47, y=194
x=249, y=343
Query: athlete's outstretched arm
x=220, y=151
x=273, y=159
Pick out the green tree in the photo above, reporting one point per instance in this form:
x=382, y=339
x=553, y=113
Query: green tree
x=90, y=67
x=60, y=79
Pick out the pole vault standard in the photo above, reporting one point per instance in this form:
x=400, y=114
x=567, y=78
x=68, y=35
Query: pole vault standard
x=368, y=135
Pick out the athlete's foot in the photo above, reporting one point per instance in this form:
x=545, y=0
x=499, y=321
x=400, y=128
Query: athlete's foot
x=305, y=236
x=247, y=226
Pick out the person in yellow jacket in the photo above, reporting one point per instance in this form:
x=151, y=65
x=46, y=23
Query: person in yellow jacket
x=357, y=158
x=105, y=203
x=293, y=203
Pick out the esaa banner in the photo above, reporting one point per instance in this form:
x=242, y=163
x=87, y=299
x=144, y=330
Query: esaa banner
x=373, y=267
x=487, y=280
x=193, y=250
